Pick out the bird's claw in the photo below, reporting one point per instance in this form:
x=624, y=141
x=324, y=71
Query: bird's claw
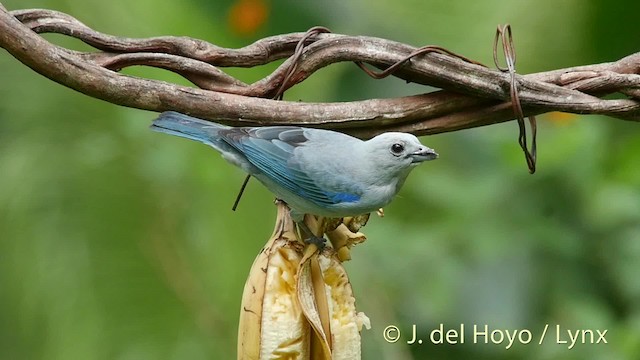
x=318, y=241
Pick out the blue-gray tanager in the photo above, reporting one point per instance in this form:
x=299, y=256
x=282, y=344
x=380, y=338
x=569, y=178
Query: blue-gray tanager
x=319, y=172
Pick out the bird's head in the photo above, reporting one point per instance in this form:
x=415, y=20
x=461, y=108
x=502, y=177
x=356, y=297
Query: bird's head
x=398, y=151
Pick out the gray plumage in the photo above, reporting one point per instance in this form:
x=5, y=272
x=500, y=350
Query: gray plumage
x=314, y=171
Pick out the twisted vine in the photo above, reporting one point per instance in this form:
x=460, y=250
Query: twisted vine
x=472, y=95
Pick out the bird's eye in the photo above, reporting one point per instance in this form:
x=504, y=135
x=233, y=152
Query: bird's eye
x=397, y=149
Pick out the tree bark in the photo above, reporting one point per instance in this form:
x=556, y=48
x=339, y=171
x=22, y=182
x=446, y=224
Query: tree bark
x=472, y=95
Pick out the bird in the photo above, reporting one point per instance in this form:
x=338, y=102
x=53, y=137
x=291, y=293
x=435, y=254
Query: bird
x=314, y=171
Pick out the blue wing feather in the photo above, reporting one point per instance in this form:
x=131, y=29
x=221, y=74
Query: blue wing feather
x=270, y=149
x=343, y=197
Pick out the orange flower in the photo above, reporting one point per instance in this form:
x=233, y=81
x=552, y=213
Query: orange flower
x=561, y=118
x=247, y=16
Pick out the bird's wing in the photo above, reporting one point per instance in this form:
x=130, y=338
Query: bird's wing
x=271, y=150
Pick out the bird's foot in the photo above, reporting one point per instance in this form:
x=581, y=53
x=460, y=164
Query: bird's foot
x=310, y=237
x=318, y=241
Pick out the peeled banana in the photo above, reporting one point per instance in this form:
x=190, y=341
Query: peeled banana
x=297, y=302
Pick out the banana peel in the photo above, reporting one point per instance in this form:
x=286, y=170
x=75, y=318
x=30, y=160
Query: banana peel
x=298, y=302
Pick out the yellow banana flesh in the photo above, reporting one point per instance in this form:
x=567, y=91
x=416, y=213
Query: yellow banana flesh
x=297, y=302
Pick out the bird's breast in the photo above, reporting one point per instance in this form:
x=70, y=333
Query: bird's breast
x=377, y=196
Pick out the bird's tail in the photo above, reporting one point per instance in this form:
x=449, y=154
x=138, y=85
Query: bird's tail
x=174, y=123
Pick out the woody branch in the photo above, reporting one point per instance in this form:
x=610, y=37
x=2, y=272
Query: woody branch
x=471, y=95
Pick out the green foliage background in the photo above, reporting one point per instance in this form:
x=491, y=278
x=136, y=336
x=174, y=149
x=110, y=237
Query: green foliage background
x=119, y=243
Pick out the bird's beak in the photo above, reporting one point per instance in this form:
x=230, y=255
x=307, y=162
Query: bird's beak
x=423, y=154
